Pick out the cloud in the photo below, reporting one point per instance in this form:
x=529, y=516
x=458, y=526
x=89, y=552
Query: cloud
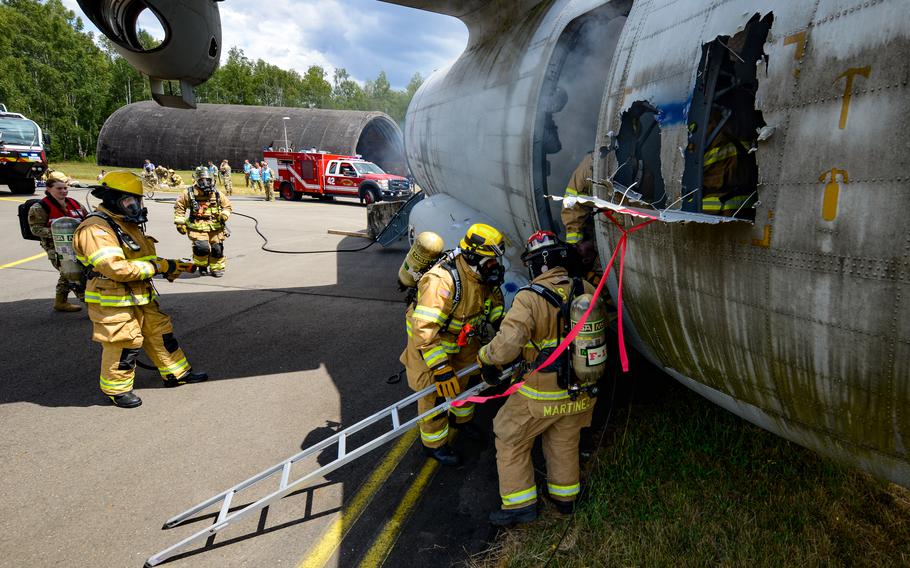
x=363, y=36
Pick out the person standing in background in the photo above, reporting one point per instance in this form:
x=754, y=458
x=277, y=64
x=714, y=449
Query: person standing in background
x=267, y=182
x=255, y=177
x=246, y=172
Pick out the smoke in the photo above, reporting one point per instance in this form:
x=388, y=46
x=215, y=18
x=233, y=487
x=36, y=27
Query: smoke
x=588, y=53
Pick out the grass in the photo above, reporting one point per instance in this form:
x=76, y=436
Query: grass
x=88, y=172
x=682, y=482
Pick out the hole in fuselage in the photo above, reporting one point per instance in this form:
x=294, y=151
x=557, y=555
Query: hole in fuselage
x=721, y=171
x=638, y=155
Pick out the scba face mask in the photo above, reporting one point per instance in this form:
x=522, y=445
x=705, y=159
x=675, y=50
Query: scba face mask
x=491, y=271
x=205, y=184
x=131, y=208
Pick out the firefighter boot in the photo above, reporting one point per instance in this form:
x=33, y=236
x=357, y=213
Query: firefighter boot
x=509, y=517
x=470, y=431
x=126, y=400
x=217, y=273
x=443, y=454
x=188, y=377
x=61, y=305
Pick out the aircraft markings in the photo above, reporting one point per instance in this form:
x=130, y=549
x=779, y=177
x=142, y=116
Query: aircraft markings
x=800, y=40
x=850, y=74
x=765, y=241
x=832, y=191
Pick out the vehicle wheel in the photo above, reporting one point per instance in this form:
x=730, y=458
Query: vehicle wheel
x=286, y=190
x=370, y=195
x=22, y=186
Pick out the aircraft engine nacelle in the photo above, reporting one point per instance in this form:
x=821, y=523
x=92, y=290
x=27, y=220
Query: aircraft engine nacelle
x=189, y=52
x=504, y=126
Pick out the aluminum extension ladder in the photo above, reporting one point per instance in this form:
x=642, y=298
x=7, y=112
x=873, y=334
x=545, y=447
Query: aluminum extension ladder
x=283, y=468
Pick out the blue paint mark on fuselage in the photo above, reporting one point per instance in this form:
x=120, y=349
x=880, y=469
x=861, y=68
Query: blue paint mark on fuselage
x=673, y=113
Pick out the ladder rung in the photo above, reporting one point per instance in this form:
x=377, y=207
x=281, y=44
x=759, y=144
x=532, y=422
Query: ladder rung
x=341, y=445
x=396, y=424
x=285, y=473
x=225, y=507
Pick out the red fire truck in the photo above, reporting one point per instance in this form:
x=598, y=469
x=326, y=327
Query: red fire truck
x=321, y=175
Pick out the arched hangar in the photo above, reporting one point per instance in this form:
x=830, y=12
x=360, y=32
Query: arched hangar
x=185, y=138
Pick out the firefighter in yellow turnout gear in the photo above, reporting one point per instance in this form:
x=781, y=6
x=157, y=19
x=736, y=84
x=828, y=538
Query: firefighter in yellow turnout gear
x=121, y=299
x=579, y=222
x=542, y=406
x=576, y=217
x=201, y=213
x=459, y=294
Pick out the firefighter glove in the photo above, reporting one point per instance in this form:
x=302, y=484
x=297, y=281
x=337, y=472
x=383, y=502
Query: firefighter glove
x=164, y=266
x=181, y=229
x=490, y=373
x=224, y=215
x=446, y=381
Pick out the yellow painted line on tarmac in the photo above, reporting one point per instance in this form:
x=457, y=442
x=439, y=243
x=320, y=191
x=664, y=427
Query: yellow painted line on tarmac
x=12, y=199
x=392, y=529
x=331, y=540
x=23, y=261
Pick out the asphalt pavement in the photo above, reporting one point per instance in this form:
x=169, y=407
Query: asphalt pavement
x=296, y=346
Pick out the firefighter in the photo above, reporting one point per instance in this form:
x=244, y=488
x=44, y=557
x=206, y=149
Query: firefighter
x=579, y=222
x=56, y=204
x=121, y=260
x=730, y=175
x=455, y=298
x=542, y=406
x=200, y=213
x=226, y=181
x=174, y=179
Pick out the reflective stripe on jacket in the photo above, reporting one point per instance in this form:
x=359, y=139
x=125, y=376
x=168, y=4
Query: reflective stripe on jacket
x=124, y=275
x=429, y=343
x=532, y=324
x=210, y=214
x=576, y=216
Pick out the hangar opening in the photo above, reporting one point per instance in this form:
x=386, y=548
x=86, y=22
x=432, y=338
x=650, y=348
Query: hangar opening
x=721, y=168
x=638, y=155
x=569, y=105
x=184, y=139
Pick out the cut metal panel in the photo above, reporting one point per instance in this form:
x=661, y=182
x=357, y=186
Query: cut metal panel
x=662, y=215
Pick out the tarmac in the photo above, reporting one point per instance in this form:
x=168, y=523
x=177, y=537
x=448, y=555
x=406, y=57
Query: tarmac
x=296, y=346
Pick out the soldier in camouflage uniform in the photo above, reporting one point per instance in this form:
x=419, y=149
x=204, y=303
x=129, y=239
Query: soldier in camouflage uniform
x=55, y=205
x=225, y=172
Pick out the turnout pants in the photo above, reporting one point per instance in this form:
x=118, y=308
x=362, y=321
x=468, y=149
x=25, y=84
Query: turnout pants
x=516, y=426
x=208, y=249
x=434, y=430
x=122, y=332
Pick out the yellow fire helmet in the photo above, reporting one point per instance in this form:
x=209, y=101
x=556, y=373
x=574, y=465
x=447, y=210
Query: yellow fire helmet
x=124, y=182
x=483, y=240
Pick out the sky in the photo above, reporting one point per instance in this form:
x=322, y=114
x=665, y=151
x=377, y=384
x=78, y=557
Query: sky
x=363, y=36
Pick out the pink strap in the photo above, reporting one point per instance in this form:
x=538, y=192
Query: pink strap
x=623, y=356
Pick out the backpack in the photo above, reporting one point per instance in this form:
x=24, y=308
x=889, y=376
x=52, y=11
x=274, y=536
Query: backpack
x=23, y=218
